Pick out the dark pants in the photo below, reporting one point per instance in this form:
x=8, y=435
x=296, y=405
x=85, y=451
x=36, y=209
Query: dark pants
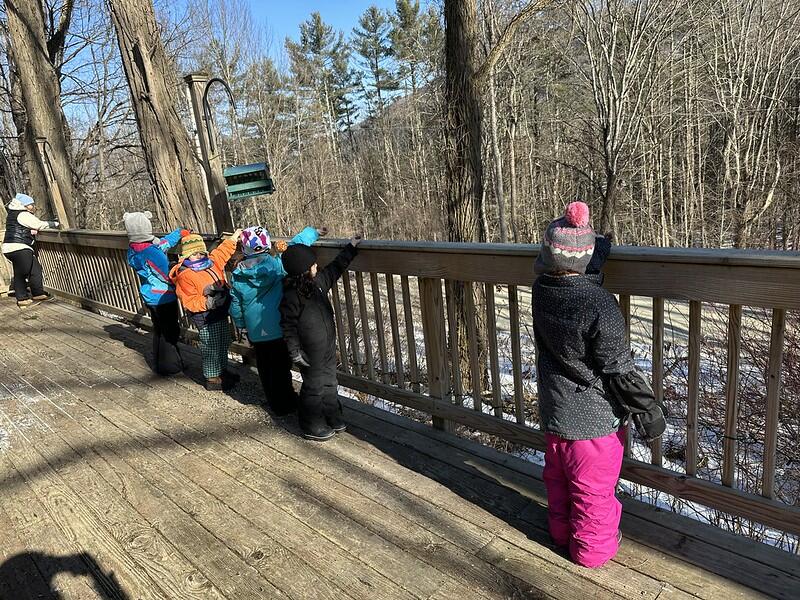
x=275, y=370
x=319, y=395
x=27, y=271
x=166, y=333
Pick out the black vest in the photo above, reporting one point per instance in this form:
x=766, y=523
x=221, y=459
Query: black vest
x=16, y=232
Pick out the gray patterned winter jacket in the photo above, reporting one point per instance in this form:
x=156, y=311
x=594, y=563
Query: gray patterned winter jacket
x=580, y=338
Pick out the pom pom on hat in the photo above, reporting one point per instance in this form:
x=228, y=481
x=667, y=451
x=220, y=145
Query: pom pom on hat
x=577, y=214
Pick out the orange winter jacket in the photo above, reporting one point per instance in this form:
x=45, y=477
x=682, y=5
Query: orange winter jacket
x=190, y=285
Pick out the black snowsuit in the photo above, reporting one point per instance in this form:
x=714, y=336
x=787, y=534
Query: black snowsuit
x=308, y=325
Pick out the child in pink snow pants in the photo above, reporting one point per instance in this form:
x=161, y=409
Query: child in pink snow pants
x=580, y=337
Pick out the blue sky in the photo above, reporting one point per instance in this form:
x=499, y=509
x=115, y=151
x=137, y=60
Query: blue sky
x=283, y=17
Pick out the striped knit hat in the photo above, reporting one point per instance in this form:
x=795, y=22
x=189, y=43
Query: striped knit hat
x=568, y=242
x=191, y=244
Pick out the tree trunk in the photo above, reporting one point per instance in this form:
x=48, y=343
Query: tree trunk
x=41, y=98
x=463, y=122
x=609, y=202
x=463, y=154
x=171, y=163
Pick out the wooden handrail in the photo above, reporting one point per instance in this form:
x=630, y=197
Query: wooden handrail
x=420, y=367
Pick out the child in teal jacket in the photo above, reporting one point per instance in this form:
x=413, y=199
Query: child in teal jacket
x=257, y=290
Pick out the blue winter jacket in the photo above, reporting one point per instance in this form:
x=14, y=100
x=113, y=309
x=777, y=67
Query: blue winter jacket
x=152, y=266
x=257, y=290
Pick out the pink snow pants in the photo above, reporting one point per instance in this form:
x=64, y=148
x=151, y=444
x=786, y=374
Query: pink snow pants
x=581, y=477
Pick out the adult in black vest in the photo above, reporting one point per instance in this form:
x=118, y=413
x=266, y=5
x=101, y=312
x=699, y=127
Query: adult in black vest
x=21, y=229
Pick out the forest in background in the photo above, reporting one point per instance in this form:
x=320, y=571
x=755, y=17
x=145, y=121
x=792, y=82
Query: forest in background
x=677, y=122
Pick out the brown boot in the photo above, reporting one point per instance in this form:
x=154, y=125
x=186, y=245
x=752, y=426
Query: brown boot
x=24, y=303
x=43, y=297
x=214, y=384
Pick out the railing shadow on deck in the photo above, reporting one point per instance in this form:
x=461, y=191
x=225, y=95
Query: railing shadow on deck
x=399, y=336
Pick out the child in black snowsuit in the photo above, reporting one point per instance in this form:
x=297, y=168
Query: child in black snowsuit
x=307, y=322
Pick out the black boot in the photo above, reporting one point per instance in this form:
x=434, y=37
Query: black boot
x=319, y=432
x=332, y=409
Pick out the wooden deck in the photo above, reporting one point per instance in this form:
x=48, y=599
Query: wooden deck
x=119, y=484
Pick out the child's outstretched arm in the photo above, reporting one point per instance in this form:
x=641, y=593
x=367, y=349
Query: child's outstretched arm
x=223, y=253
x=328, y=276
x=307, y=237
x=172, y=239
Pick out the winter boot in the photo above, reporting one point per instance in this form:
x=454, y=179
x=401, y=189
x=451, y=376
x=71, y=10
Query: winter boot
x=214, y=384
x=319, y=432
x=43, y=297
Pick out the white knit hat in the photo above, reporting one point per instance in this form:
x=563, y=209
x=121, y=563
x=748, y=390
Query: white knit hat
x=138, y=226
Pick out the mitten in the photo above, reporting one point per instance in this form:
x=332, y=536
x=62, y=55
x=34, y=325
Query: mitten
x=300, y=359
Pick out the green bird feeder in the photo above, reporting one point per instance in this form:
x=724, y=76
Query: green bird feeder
x=245, y=181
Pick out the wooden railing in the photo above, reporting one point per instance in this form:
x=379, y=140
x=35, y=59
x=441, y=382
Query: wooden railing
x=396, y=314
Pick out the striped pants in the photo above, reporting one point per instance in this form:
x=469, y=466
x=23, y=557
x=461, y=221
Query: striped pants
x=214, y=341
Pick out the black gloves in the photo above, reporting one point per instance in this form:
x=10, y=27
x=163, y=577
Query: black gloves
x=636, y=397
x=300, y=359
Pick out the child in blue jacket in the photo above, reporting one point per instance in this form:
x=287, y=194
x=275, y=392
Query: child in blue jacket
x=257, y=290
x=148, y=257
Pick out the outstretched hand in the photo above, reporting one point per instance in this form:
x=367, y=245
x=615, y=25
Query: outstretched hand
x=356, y=239
x=323, y=231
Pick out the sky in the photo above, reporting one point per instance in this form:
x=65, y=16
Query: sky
x=282, y=18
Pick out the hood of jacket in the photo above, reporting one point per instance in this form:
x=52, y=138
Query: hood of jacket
x=16, y=205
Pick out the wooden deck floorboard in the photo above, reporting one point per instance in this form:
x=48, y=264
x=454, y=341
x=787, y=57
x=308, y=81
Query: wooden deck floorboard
x=119, y=484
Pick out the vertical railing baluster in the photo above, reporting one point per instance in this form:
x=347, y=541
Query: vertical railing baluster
x=452, y=330
x=472, y=342
x=340, y=335
x=491, y=340
x=516, y=354
x=729, y=445
x=693, y=396
x=625, y=307
x=658, y=369
x=381, y=334
x=411, y=341
x=397, y=342
x=351, y=323
x=433, y=330
x=773, y=401
x=362, y=309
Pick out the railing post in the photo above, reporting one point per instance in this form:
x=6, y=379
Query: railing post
x=433, y=330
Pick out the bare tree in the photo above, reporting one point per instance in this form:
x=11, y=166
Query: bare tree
x=173, y=167
x=36, y=60
x=621, y=39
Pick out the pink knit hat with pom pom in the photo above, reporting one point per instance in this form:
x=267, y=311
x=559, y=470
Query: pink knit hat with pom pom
x=568, y=242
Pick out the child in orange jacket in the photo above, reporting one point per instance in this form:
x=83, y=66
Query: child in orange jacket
x=200, y=284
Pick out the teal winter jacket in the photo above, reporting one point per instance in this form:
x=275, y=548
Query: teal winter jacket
x=257, y=290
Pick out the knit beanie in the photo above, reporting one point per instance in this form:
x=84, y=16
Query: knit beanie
x=24, y=199
x=298, y=259
x=568, y=242
x=138, y=226
x=255, y=240
x=191, y=244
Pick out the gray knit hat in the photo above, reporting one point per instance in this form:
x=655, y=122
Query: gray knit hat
x=138, y=226
x=568, y=242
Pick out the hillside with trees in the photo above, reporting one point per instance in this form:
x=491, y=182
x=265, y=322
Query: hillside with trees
x=677, y=122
